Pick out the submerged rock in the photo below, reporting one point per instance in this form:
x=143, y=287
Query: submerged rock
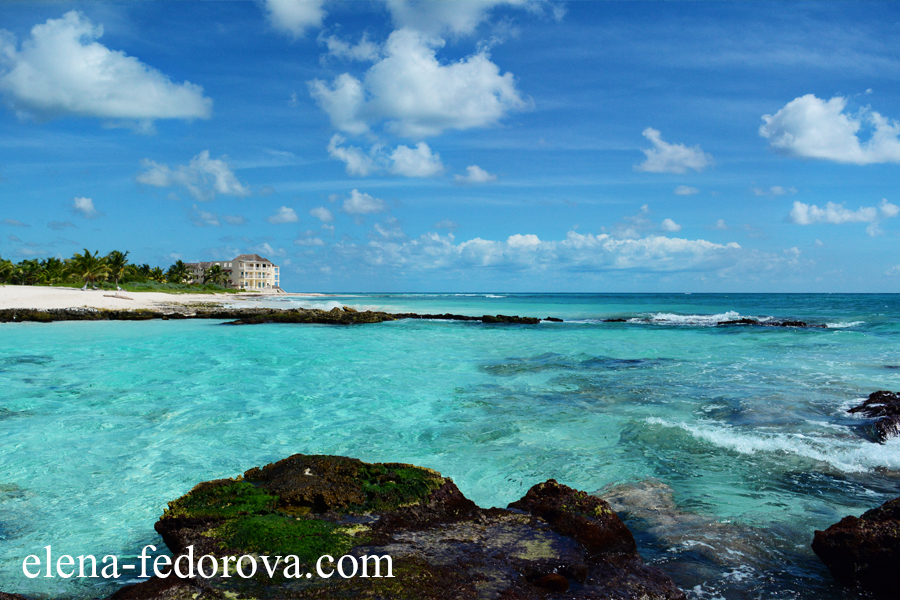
x=442, y=546
x=864, y=551
x=886, y=407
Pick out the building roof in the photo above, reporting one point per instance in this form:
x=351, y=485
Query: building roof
x=252, y=258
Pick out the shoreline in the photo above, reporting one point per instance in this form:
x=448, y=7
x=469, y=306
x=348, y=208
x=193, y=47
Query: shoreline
x=29, y=297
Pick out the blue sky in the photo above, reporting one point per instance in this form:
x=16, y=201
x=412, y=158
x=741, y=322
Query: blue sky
x=484, y=145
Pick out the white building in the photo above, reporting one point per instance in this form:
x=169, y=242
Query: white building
x=250, y=272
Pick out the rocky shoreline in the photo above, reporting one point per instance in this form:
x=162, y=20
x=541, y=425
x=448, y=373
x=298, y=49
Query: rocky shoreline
x=240, y=316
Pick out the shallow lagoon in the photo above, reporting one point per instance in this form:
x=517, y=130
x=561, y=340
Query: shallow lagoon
x=741, y=432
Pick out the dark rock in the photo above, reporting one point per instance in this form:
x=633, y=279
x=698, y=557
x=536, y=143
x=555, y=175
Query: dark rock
x=744, y=321
x=864, y=551
x=508, y=319
x=886, y=407
x=443, y=546
x=615, y=320
x=4, y=596
x=553, y=320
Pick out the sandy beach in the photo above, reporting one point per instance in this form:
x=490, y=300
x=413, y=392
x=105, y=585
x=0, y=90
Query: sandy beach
x=42, y=297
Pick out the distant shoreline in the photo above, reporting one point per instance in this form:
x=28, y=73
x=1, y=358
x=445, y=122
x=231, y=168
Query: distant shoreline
x=30, y=297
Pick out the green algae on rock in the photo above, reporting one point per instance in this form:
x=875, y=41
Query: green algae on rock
x=441, y=545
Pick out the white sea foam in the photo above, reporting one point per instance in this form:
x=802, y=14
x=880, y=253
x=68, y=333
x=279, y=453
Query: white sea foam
x=703, y=320
x=850, y=455
x=842, y=324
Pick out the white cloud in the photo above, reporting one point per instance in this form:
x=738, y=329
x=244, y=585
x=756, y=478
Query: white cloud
x=62, y=70
x=203, y=177
x=203, y=218
x=528, y=253
x=322, y=213
x=308, y=242
x=284, y=215
x=14, y=223
x=836, y=214
x=720, y=224
x=358, y=162
x=363, y=51
x=475, y=174
x=775, y=190
x=446, y=224
x=295, y=16
x=84, y=207
x=235, y=219
x=686, y=190
x=418, y=162
x=670, y=225
x=416, y=95
x=671, y=158
x=893, y=271
x=267, y=250
x=359, y=203
x=809, y=127
x=457, y=18
x=390, y=229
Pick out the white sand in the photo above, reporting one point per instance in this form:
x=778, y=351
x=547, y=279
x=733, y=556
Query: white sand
x=28, y=296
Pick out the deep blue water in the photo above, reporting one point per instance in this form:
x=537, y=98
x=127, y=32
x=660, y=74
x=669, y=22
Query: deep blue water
x=738, y=437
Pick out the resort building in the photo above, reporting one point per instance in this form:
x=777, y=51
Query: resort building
x=249, y=272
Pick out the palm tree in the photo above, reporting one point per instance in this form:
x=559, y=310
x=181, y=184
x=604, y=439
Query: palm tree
x=215, y=275
x=53, y=270
x=157, y=275
x=6, y=269
x=116, y=261
x=178, y=273
x=27, y=272
x=89, y=267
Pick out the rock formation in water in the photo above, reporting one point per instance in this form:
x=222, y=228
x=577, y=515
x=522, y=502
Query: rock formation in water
x=864, y=551
x=555, y=540
x=884, y=406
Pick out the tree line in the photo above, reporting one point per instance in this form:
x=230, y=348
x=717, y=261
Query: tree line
x=93, y=269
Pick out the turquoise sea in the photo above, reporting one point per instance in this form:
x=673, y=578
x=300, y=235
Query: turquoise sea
x=726, y=446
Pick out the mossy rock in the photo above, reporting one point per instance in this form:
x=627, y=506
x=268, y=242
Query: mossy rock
x=441, y=545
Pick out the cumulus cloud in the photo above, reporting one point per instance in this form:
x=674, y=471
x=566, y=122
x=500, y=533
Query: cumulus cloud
x=671, y=158
x=363, y=51
x=720, y=224
x=419, y=161
x=415, y=162
x=235, y=219
x=284, y=215
x=527, y=252
x=809, y=127
x=84, y=207
x=358, y=162
x=893, y=271
x=203, y=178
x=360, y=203
x=775, y=190
x=686, y=190
x=415, y=95
x=836, y=214
x=322, y=213
x=670, y=225
x=475, y=174
x=456, y=18
x=295, y=17
x=62, y=70
x=204, y=218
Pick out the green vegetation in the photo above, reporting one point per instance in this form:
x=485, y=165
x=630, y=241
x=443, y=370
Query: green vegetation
x=111, y=272
x=222, y=499
x=389, y=488
x=276, y=534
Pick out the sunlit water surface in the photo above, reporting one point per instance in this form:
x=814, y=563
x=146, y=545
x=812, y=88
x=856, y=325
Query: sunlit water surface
x=737, y=435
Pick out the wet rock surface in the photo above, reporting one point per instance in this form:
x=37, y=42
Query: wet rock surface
x=555, y=542
x=864, y=551
x=885, y=407
x=240, y=316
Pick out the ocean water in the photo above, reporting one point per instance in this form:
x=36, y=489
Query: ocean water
x=724, y=448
